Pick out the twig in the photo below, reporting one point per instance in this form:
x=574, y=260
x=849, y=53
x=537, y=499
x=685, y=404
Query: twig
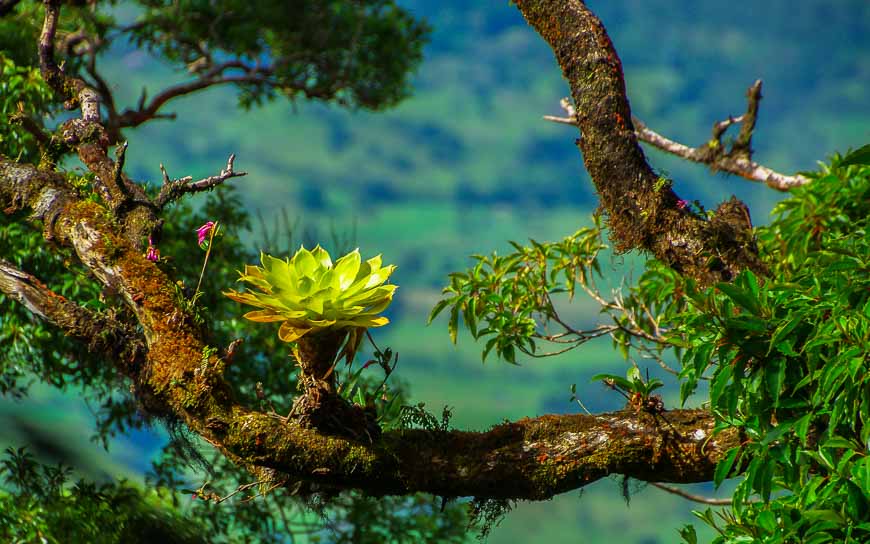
x=692, y=497
x=247, y=486
x=212, y=76
x=117, y=178
x=742, y=145
x=205, y=261
x=737, y=160
x=173, y=189
x=31, y=126
x=71, y=87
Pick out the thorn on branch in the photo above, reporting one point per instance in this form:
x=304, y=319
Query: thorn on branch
x=172, y=190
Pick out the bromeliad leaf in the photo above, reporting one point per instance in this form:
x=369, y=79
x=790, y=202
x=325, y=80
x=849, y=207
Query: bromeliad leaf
x=308, y=293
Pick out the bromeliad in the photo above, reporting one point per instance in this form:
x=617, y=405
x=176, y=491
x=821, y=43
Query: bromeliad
x=319, y=304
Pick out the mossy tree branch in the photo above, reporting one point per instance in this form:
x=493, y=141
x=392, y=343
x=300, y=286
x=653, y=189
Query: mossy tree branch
x=643, y=210
x=527, y=459
x=102, y=332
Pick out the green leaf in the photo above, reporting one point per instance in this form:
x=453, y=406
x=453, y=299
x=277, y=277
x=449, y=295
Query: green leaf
x=453, y=323
x=838, y=442
x=739, y=296
x=723, y=467
x=818, y=538
x=720, y=381
x=824, y=514
x=767, y=521
x=489, y=345
x=619, y=381
x=774, y=376
x=688, y=534
x=437, y=309
x=859, y=156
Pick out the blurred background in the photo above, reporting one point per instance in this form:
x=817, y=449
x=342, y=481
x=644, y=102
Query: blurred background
x=467, y=164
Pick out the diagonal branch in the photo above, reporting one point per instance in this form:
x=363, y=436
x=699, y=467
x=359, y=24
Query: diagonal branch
x=725, y=162
x=100, y=331
x=215, y=75
x=643, y=210
x=713, y=153
x=127, y=200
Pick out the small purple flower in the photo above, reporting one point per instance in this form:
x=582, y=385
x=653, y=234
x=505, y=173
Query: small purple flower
x=153, y=253
x=203, y=232
x=681, y=204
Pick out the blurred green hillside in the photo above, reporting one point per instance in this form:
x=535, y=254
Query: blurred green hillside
x=467, y=164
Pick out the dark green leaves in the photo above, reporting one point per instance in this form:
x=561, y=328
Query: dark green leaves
x=359, y=54
x=859, y=156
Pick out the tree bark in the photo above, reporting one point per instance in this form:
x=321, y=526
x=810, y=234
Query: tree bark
x=643, y=210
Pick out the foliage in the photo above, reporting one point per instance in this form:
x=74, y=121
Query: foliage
x=354, y=53
x=43, y=506
x=790, y=366
x=508, y=298
x=786, y=355
x=22, y=93
x=261, y=382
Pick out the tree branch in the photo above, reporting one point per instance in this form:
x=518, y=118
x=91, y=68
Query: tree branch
x=100, y=331
x=127, y=200
x=691, y=496
x=211, y=77
x=643, y=210
x=174, y=189
x=529, y=459
x=713, y=153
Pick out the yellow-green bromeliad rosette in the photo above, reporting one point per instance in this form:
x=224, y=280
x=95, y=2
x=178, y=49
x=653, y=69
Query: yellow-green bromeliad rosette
x=319, y=304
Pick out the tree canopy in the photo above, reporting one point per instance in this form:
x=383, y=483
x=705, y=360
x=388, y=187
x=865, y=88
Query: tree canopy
x=769, y=326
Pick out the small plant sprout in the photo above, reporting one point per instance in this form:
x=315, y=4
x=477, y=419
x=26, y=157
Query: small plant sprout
x=320, y=305
x=209, y=230
x=636, y=390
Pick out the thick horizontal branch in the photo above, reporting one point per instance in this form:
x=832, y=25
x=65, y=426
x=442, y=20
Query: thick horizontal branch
x=642, y=209
x=527, y=459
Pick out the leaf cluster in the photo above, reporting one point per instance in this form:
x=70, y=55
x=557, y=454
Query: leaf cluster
x=507, y=299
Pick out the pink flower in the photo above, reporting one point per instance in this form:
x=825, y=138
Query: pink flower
x=153, y=253
x=681, y=204
x=203, y=232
